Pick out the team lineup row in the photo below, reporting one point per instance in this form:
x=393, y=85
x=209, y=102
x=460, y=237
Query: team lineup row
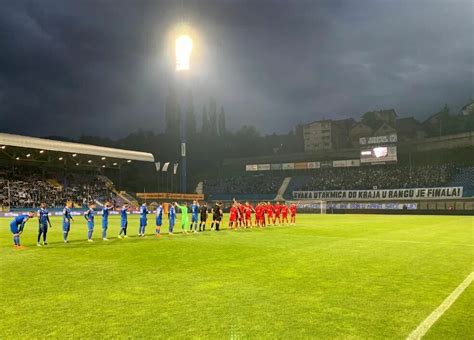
x=240, y=216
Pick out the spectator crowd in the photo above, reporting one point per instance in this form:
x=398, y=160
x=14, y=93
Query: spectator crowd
x=259, y=184
x=379, y=177
x=20, y=188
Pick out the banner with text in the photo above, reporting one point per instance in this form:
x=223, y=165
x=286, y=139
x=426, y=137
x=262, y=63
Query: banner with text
x=381, y=194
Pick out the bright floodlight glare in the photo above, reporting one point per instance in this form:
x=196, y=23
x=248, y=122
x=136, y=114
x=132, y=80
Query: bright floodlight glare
x=184, y=47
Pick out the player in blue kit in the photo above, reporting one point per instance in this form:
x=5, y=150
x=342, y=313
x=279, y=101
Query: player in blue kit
x=194, y=216
x=89, y=216
x=171, y=218
x=123, y=221
x=105, y=219
x=143, y=220
x=17, y=225
x=43, y=224
x=67, y=218
x=159, y=219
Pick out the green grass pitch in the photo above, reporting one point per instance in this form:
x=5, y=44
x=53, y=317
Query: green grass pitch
x=330, y=276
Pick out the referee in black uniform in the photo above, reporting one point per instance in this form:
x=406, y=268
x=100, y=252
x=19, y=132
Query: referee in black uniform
x=203, y=213
x=216, y=216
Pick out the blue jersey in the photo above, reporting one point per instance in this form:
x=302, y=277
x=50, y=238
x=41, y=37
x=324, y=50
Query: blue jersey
x=105, y=213
x=143, y=212
x=20, y=220
x=43, y=216
x=89, y=215
x=18, y=223
x=195, y=209
x=123, y=215
x=67, y=217
x=172, y=212
x=159, y=212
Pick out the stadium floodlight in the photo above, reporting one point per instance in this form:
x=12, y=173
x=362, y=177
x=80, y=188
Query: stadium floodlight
x=3, y=147
x=74, y=154
x=129, y=161
x=103, y=165
x=184, y=47
x=41, y=151
x=103, y=158
x=60, y=158
x=115, y=164
x=77, y=164
x=18, y=158
x=28, y=155
x=89, y=161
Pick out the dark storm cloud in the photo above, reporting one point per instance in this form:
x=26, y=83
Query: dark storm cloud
x=102, y=67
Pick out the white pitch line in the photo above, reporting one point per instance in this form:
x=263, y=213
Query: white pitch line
x=426, y=324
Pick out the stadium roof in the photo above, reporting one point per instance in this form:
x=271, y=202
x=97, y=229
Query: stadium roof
x=7, y=140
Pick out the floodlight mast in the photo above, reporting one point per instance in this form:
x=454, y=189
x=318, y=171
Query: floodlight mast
x=183, y=48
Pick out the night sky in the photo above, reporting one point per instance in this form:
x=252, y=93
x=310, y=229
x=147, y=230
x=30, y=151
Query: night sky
x=103, y=67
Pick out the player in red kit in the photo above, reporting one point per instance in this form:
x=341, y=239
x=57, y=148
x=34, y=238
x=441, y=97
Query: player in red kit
x=277, y=211
x=269, y=212
x=284, y=214
x=248, y=214
x=241, y=215
x=260, y=215
x=293, y=213
x=233, y=215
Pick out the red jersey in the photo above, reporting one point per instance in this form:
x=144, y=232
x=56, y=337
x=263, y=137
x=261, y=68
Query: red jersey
x=233, y=214
x=248, y=211
x=277, y=209
x=241, y=211
x=270, y=210
x=293, y=209
x=284, y=210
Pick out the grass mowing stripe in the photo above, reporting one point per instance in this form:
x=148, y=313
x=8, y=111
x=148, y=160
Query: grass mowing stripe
x=421, y=330
x=396, y=241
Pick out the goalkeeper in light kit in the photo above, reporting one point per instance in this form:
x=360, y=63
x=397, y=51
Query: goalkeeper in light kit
x=184, y=216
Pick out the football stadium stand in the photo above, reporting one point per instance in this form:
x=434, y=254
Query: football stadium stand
x=34, y=170
x=378, y=177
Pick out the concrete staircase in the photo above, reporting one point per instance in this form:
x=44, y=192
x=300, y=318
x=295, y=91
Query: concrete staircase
x=281, y=191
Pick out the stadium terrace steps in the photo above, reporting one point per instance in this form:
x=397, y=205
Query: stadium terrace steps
x=200, y=188
x=282, y=189
x=127, y=198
